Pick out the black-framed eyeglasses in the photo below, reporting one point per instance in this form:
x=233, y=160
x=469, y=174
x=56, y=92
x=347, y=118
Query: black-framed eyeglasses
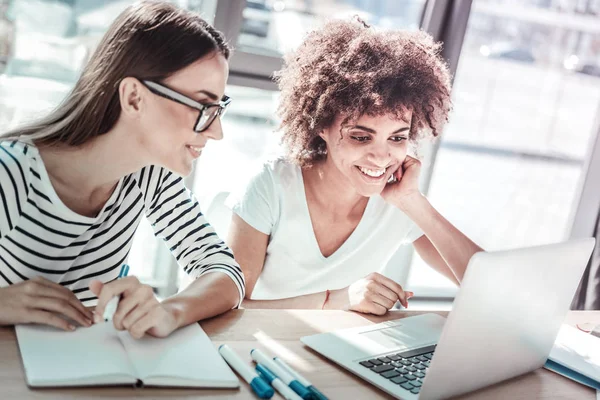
x=208, y=112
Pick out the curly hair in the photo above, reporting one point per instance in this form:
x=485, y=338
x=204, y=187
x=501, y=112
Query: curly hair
x=348, y=68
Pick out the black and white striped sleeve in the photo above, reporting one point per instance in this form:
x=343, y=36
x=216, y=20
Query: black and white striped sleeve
x=175, y=216
x=13, y=187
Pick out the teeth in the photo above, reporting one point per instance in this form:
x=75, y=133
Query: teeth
x=374, y=173
x=196, y=149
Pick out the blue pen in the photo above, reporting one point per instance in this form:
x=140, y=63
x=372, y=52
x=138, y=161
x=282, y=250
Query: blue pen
x=258, y=385
x=288, y=379
x=315, y=392
x=113, y=304
x=283, y=389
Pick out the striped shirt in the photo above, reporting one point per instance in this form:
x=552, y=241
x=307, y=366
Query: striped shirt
x=40, y=236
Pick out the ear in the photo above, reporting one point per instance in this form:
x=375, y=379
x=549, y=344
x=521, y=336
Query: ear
x=323, y=135
x=131, y=96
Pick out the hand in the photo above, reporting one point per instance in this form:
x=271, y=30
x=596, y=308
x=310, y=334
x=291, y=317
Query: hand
x=406, y=185
x=139, y=312
x=41, y=301
x=374, y=294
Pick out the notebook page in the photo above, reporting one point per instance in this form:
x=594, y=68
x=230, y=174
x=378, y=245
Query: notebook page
x=578, y=351
x=187, y=357
x=87, y=356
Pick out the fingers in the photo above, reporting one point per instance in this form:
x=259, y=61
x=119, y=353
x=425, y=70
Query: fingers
x=57, y=306
x=382, y=290
x=114, y=288
x=137, y=314
x=374, y=308
x=380, y=300
x=409, y=161
x=133, y=306
x=39, y=286
x=48, y=318
x=96, y=286
x=138, y=329
x=391, y=285
x=398, y=173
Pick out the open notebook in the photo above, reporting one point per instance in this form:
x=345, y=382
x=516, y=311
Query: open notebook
x=101, y=355
x=576, y=355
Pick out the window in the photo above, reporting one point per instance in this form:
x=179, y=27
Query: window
x=506, y=171
x=274, y=27
x=249, y=137
x=525, y=100
x=43, y=46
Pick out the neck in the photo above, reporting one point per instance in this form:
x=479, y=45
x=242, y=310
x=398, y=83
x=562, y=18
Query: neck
x=98, y=164
x=332, y=189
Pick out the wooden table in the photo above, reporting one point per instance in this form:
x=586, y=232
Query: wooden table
x=278, y=332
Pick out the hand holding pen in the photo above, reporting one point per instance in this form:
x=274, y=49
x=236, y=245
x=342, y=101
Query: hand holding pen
x=136, y=308
x=113, y=304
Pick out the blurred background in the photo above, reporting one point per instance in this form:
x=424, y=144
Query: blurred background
x=512, y=167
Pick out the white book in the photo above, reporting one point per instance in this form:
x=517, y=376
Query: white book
x=101, y=355
x=576, y=355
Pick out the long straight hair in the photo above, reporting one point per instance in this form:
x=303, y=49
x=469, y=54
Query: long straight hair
x=149, y=40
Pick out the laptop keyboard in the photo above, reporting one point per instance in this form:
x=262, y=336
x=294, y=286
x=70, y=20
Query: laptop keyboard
x=406, y=369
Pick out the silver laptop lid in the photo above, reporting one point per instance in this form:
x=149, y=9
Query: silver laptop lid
x=506, y=316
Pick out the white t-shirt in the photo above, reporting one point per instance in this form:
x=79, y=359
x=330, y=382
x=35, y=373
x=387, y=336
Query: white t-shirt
x=274, y=203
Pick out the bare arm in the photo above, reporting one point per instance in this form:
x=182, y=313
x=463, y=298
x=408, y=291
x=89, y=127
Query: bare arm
x=250, y=249
x=211, y=294
x=373, y=294
x=444, y=248
x=432, y=257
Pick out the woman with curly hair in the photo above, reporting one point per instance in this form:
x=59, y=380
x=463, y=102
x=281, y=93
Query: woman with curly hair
x=317, y=229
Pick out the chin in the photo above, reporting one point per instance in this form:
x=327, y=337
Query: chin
x=368, y=191
x=181, y=169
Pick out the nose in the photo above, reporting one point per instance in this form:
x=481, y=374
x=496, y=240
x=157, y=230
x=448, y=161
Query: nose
x=379, y=154
x=215, y=130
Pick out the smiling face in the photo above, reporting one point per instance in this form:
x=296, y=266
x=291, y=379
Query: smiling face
x=366, y=152
x=168, y=126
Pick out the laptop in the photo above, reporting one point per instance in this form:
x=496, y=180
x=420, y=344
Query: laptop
x=503, y=323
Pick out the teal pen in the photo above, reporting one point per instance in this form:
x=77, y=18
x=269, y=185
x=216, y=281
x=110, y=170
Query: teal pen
x=262, y=358
x=317, y=395
x=284, y=390
x=113, y=304
x=257, y=384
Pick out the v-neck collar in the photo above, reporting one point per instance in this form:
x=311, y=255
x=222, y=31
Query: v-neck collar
x=313, y=239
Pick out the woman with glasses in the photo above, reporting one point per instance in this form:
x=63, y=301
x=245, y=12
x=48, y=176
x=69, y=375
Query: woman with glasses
x=75, y=185
x=318, y=228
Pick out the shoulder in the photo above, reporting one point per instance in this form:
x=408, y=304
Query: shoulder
x=278, y=170
x=16, y=161
x=16, y=151
x=151, y=180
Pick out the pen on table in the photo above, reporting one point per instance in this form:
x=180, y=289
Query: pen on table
x=316, y=394
x=113, y=304
x=283, y=389
x=288, y=379
x=258, y=385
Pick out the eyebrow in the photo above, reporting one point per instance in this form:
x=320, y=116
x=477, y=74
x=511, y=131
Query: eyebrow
x=364, y=128
x=211, y=95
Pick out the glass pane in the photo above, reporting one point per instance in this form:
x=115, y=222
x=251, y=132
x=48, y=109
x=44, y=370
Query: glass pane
x=43, y=47
x=249, y=138
x=525, y=101
x=273, y=27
